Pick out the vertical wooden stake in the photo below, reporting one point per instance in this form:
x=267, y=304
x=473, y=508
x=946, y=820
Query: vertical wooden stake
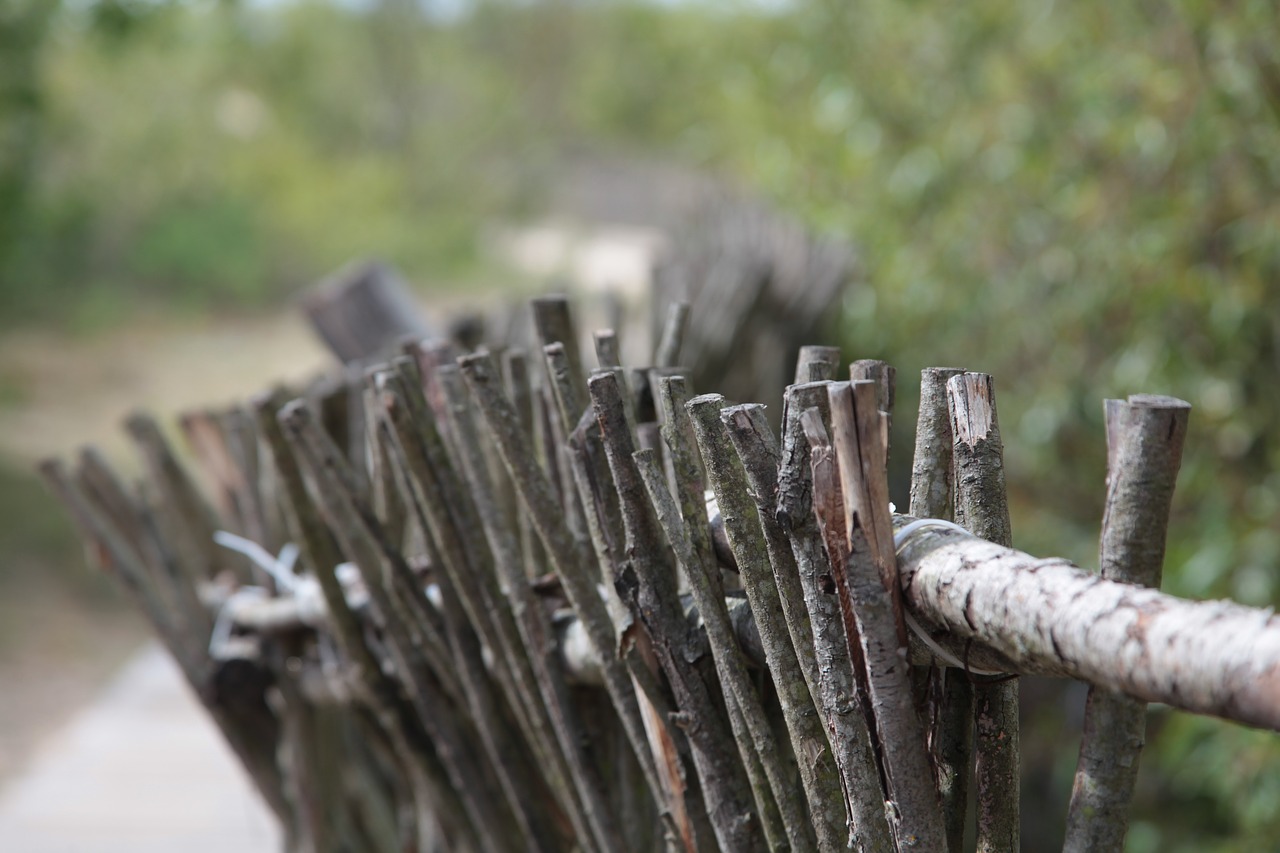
x=951, y=740
x=982, y=508
x=870, y=576
x=1144, y=452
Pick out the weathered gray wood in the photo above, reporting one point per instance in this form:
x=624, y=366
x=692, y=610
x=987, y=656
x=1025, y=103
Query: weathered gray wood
x=467, y=581
x=553, y=320
x=452, y=521
x=667, y=353
x=742, y=524
x=751, y=731
x=607, y=348
x=519, y=389
x=780, y=804
x=931, y=497
x=1144, y=452
x=866, y=495
x=192, y=519
x=646, y=581
x=240, y=709
x=870, y=562
x=932, y=471
x=846, y=724
x=400, y=606
x=171, y=600
x=817, y=364
x=687, y=817
x=585, y=803
x=572, y=564
x=363, y=309
x=885, y=377
x=430, y=799
x=981, y=506
x=759, y=453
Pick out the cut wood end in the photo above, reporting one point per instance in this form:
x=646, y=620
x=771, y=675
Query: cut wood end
x=743, y=415
x=1157, y=401
x=806, y=388
x=814, y=430
x=476, y=365
x=705, y=401
x=673, y=383
x=294, y=413
x=973, y=408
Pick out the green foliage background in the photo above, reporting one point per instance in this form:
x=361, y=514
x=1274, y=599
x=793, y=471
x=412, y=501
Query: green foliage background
x=1080, y=199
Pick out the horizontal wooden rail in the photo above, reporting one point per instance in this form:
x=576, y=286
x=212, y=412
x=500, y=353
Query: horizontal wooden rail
x=999, y=608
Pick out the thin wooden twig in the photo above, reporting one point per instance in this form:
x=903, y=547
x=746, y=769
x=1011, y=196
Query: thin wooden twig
x=171, y=597
x=780, y=806
x=554, y=321
x=440, y=506
x=401, y=605
x=885, y=378
x=396, y=720
x=607, y=348
x=240, y=709
x=193, y=520
x=452, y=520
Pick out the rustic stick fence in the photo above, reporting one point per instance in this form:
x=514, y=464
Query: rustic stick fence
x=491, y=601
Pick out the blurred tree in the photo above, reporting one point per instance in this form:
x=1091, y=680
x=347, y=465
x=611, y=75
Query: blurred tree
x=24, y=27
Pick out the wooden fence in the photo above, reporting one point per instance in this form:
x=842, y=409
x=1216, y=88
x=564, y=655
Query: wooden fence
x=488, y=602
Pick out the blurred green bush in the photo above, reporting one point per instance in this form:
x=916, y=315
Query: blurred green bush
x=1080, y=199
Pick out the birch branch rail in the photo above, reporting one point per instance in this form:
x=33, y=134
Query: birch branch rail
x=521, y=622
x=1052, y=618
x=1166, y=656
